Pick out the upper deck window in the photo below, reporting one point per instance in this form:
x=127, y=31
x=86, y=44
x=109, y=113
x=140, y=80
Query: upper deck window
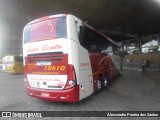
x=46, y=30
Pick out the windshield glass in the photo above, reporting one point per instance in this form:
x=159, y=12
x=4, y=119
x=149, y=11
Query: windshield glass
x=46, y=30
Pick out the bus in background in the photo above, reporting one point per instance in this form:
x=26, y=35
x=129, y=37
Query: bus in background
x=0, y=65
x=14, y=64
x=65, y=59
x=3, y=63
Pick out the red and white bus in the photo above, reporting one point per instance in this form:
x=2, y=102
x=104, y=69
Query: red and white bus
x=65, y=59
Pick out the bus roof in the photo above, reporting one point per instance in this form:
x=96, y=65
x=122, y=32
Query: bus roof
x=61, y=15
x=46, y=18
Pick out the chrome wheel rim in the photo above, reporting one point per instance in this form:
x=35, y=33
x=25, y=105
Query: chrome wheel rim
x=99, y=85
x=105, y=82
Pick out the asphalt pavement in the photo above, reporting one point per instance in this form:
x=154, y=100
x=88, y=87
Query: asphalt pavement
x=131, y=91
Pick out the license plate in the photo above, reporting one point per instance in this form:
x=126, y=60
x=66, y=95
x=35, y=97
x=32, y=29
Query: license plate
x=44, y=94
x=43, y=63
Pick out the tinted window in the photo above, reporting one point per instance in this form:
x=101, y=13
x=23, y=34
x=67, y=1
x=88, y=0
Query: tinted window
x=46, y=30
x=90, y=40
x=18, y=58
x=94, y=42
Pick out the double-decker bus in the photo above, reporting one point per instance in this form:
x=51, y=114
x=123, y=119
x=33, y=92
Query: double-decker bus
x=65, y=59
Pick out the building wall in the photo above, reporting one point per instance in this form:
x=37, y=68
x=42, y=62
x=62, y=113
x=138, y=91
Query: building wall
x=153, y=57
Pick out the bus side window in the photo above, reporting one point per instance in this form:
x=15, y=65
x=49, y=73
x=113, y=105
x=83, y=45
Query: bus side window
x=105, y=46
x=92, y=40
x=82, y=35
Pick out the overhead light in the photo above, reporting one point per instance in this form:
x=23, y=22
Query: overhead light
x=157, y=1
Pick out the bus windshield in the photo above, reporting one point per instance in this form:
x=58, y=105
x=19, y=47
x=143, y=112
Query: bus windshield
x=46, y=30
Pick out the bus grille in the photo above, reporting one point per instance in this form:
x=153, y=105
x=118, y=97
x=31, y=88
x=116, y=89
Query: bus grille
x=56, y=56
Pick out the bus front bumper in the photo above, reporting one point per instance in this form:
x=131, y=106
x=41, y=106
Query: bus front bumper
x=70, y=95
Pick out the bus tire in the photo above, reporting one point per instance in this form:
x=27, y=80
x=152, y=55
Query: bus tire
x=100, y=83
